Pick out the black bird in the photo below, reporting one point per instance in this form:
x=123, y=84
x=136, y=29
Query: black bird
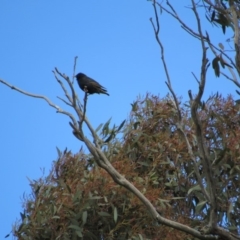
x=92, y=86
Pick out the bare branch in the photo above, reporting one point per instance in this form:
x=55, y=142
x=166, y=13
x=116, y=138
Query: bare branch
x=74, y=68
x=61, y=84
x=84, y=107
x=76, y=107
x=204, y=57
x=31, y=94
x=156, y=31
x=50, y=103
x=197, y=35
x=64, y=101
x=195, y=78
x=200, y=139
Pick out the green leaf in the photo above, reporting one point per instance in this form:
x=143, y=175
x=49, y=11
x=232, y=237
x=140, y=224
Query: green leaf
x=135, y=125
x=215, y=66
x=223, y=21
x=140, y=236
x=237, y=101
x=121, y=125
x=98, y=128
x=104, y=214
x=230, y=210
x=59, y=152
x=75, y=227
x=163, y=203
x=194, y=188
x=77, y=196
x=222, y=62
x=90, y=235
x=79, y=233
x=84, y=217
x=22, y=216
x=200, y=206
x=221, y=46
x=115, y=214
x=232, y=228
x=224, y=28
x=112, y=134
x=134, y=106
x=144, y=164
x=178, y=198
x=96, y=198
x=213, y=15
x=226, y=64
x=105, y=129
x=68, y=188
x=7, y=235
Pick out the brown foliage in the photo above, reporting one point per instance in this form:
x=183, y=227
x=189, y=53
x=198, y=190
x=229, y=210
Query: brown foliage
x=81, y=200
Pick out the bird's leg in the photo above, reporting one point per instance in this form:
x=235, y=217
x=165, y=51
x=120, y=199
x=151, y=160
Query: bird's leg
x=85, y=89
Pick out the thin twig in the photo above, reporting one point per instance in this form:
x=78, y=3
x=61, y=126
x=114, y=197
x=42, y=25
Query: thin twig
x=179, y=125
x=74, y=96
x=74, y=68
x=84, y=108
x=30, y=94
x=64, y=101
x=231, y=79
x=192, y=32
x=50, y=103
x=198, y=124
x=195, y=77
x=63, y=87
x=156, y=31
x=234, y=80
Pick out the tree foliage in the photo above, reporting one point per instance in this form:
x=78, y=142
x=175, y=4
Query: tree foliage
x=226, y=13
x=79, y=199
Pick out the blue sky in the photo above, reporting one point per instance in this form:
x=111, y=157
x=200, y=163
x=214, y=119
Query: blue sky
x=115, y=45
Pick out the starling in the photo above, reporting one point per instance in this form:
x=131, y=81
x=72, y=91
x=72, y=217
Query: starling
x=92, y=86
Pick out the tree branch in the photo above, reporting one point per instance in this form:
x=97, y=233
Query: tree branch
x=199, y=134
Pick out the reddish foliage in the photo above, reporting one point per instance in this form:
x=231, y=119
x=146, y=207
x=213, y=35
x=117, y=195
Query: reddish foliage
x=76, y=199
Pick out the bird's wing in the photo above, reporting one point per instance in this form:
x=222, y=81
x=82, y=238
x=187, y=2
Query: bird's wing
x=96, y=84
